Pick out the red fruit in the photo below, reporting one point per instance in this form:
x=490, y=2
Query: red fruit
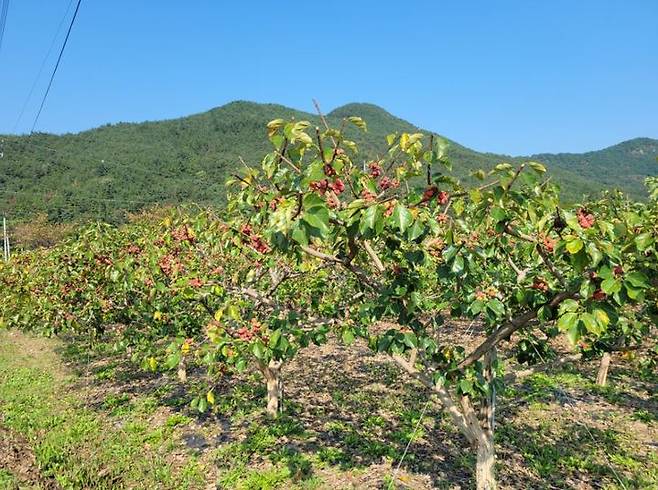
x=585, y=219
x=332, y=200
x=367, y=195
x=246, y=229
x=385, y=183
x=429, y=193
x=549, y=244
x=375, y=169
x=329, y=171
x=196, y=282
x=599, y=295
x=442, y=218
x=539, y=284
x=337, y=186
x=443, y=197
x=319, y=186
x=618, y=271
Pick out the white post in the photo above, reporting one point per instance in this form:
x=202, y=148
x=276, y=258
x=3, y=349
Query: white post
x=4, y=239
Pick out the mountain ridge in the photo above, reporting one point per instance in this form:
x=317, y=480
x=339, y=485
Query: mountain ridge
x=103, y=172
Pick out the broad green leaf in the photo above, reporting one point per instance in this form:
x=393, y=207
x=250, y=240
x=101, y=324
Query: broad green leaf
x=637, y=279
x=498, y=214
x=402, y=217
x=611, y=285
x=574, y=246
x=643, y=241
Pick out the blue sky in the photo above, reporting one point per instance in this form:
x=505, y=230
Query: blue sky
x=515, y=77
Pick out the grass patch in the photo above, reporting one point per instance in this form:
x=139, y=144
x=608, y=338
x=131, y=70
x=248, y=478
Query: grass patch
x=73, y=445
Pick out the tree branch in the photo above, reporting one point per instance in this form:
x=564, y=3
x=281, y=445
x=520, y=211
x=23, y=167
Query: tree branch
x=510, y=327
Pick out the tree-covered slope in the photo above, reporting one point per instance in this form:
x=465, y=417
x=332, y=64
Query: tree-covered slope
x=103, y=172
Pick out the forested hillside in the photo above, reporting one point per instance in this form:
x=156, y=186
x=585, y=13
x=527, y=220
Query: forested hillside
x=104, y=172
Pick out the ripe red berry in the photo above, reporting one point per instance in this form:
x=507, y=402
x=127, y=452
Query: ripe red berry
x=585, y=219
x=443, y=197
x=329, y=171
x=599, y=295
x=429, y=193
x=337, y=186
x=375, y=169
x=319, y=186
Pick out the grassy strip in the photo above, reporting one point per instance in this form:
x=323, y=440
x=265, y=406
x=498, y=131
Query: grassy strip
x=73, y=445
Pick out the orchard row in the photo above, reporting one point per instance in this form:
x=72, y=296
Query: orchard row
x=315, y=243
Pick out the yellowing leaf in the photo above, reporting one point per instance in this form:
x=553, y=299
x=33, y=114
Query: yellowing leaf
x=210, y=396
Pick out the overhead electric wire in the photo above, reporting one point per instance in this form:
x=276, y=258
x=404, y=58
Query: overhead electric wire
x=3, y=19
x=43, y=64
x=59, y=58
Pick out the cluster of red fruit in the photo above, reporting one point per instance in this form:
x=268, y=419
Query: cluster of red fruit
x=490, y=292
x=432, y=192
x=183, y=234
x=585, y=219
x=248, y=333
x=387, y=183
x=196, y=282
x=322, y=186
x=103, y=260
x=133, y=250
x=368, y=195
x=540, y=285
x=274, y=203
x=549, y=244
x=375, y=169
x=254, y=240
x=170, y=265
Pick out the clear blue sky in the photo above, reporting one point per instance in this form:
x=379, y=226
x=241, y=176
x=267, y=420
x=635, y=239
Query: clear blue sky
x=515, y=77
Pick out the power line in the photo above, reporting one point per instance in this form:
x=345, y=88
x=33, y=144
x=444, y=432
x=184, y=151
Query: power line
x=59, y=58
x=43, y=64
x=3, y=19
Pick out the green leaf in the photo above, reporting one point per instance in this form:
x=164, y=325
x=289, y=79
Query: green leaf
x=371, y=218
x=568, y=305
x=402, y=217
x=574, y=246
x=274, y=339
x=496, y=306
x=348, y=336
x=567, y=321
x=601, y=317
x=466, y=386
x=411, y=340
x=359, y=123
x=591, y=324
x=637, y=279
x=537, y=167
x=300, y=235
x=611, y=285
x=258, y=349
x=416, y=230
x=316, y=213
x=594, y=254
x=498, y=214
x=643, y=241
x=457, y=265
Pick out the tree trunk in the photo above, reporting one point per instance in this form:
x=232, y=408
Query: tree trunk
x=602, y=376
x=272, y=374
x=182, y=371
x=486, y=459
x=486, y=455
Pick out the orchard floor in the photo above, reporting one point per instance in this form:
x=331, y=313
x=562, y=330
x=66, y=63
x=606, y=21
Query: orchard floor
x=73, y=419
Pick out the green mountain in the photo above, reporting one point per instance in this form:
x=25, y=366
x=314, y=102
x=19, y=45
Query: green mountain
x=104, y=172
